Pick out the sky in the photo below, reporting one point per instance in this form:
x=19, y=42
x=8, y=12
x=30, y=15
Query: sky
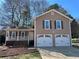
x=2, y=1
x=72, y=6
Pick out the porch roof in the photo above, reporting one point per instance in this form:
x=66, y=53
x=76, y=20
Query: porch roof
x=17, y=29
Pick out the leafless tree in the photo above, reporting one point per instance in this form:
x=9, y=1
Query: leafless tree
x=38, y=6
x=15, y=10
x=19, y=12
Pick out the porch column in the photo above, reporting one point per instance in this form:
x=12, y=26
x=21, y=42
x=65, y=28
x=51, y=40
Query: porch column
x=7, y=35
x=35, y=39
x=35, y=35
x=18, y=36
x=28, y=38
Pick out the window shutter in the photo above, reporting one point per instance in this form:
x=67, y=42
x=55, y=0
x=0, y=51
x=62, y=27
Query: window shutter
x=43, y=24
x=55, y=24
x=62, y=24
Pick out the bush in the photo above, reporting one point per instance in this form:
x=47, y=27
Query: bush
x=75, y=40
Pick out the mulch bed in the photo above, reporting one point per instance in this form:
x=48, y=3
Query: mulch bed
x=15, y=51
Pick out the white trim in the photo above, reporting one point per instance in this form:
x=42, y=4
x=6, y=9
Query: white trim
x=66, y=35
x=49, y=35
x=62, y=14
x=45, y=24
x=18, y=36
x=61, y=35
x=53, y=10
x=44, y=37
x=16, y=40
x=58, y=34
x=59, y=24
x=70, y=34
x=35, y=42
x=7, y=35
x=23, y=32
x=14, y=35
x=61, y=42
x=40, y=34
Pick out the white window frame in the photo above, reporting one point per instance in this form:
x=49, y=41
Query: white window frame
x=45, y=24
x=44, y=35
x=7, y=34
x=49, y=35
x=39, y=35
x=57, y=35
x=66, y=35
x=13, y=33
x=59, y=24
x=62, y=35
x=23, y=33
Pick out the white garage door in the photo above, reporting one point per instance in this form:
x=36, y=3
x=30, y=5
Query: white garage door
x=62, y=40
x=44, y=40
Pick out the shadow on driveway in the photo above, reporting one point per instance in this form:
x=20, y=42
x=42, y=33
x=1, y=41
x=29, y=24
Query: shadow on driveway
x=67, y=51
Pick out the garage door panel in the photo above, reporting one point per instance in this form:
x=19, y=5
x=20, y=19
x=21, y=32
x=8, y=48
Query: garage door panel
x=62, y=40
x=44, y=41
x=44, y=44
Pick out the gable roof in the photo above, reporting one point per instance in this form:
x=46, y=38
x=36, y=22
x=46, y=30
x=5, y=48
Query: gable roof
x=56, y=12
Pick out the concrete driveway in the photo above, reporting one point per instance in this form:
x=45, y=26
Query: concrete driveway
x=59, y=53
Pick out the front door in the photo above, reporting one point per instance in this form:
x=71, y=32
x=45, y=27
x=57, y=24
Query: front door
x=31, y=39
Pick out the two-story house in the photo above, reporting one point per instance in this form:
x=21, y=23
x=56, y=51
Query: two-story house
x=51, y=28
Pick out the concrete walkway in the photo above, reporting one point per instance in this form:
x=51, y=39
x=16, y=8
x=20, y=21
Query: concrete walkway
x=59, y=53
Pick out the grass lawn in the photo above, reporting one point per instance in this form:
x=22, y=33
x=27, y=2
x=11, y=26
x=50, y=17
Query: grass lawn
x=33, y=55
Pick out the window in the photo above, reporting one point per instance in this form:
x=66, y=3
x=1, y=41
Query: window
x=65, y=35
x=7, y=34
x=58, y=35
x=40, y=36
x=58, y=24
x=13, y=35
x=47, y=24
x=23, y=34
x=48, y=36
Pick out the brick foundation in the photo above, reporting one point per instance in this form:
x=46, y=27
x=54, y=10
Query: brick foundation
x=17, y=43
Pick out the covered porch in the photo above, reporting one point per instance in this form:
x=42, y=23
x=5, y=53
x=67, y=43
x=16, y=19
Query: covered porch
x=20, y=37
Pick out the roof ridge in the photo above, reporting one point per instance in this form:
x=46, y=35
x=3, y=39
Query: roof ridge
x=54, y=11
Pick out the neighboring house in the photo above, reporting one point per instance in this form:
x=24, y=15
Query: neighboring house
x=51, y=29
x=2, y=29
x=2, y=33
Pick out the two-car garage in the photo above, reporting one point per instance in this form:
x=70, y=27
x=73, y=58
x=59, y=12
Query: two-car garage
x=46, y=40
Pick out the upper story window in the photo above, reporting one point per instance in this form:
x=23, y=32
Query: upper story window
x=46, y=24
x=58, y=24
